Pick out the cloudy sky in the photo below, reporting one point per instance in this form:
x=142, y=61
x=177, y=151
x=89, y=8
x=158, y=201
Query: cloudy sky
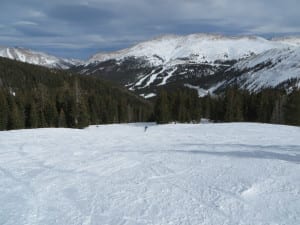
x=80, y=28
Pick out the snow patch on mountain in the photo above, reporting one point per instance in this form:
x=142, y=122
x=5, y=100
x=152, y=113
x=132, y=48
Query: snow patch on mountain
x=203, y=92
x=146, y=96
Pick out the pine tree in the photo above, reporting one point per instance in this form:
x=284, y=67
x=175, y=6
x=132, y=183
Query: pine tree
x=292, y=109
x=62, y=119
x=278, y=110
x=162, y=112
x=122, y=110
x=14, y=116
x=195, y=107
x=182, y=107
x=32, y=117
x=207, y=107
x=234, y=105
x=83, y=117
x=3, y=111
x=51, y=115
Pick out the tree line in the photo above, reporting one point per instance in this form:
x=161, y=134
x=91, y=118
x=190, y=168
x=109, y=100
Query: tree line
x=234, y=105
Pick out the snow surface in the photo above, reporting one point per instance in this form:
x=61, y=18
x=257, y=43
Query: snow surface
x=231, y=174
x=199, y=48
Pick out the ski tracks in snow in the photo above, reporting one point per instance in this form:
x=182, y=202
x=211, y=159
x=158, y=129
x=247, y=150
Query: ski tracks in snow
x=171, y=174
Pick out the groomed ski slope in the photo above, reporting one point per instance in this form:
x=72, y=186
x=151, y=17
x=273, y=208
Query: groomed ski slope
x=235, y=173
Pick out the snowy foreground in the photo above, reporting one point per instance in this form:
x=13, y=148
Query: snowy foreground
x=171, y=174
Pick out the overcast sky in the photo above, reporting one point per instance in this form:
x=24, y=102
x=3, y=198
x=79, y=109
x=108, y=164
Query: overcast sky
x=80, y=28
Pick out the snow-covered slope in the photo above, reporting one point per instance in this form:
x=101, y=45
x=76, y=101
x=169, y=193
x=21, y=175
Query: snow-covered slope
x=270, y=69
x=198, y=48
x=208, y=174
x=37, y=58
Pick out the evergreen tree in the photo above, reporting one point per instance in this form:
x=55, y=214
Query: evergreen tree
x=292, y=109
x=14, y=115
x=278, y=110
x=51, y=115
x=234, y=105
x=32, y=117
x=62, y=119
x=83, y=117
x=3, y=111
x=162, y=112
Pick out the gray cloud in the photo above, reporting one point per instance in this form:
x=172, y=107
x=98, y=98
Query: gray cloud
x=32, y=29
x=79, y=28
x=80, y=14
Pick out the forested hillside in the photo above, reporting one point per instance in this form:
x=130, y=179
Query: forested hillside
x=33, y=96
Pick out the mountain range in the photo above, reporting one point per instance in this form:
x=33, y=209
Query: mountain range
x=205, y=62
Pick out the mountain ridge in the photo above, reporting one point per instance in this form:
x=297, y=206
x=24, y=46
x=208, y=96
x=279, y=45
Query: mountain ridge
x=204, y=47
x=37, y=58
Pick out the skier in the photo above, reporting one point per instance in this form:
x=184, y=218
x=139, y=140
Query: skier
x=146, y=127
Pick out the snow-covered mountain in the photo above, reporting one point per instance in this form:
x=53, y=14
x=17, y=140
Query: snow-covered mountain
x=201, y=61
x=37, y=58
x=197, y=48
